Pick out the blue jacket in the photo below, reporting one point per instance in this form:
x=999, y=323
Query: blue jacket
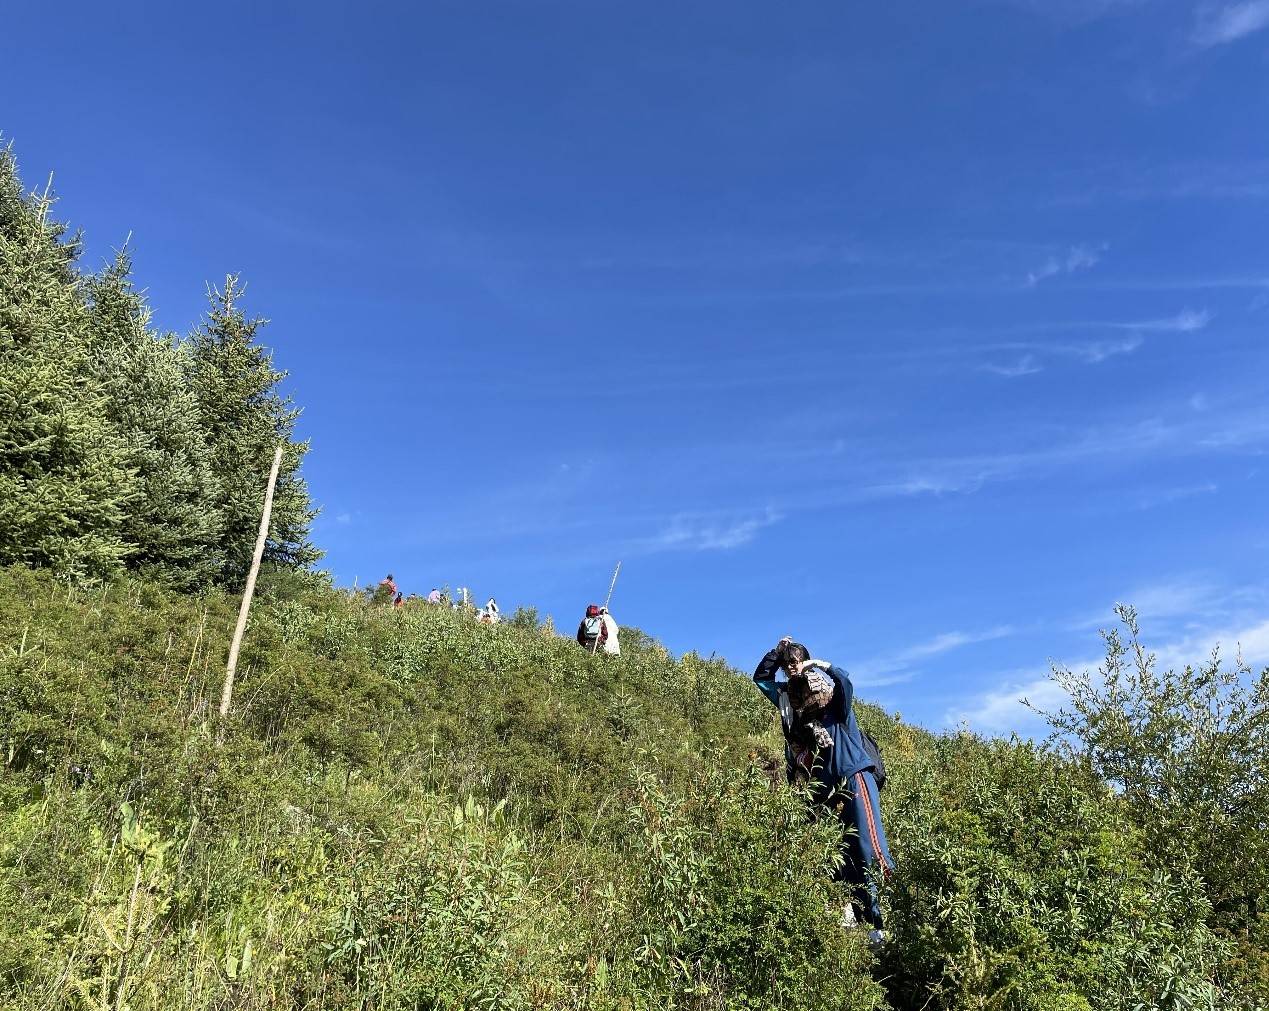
x=848, y=755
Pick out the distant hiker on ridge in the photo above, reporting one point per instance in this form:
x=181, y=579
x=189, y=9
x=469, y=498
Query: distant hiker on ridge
x=386, y=592
x=489, y=614
x=611, y=644
x=825, y=748
x=592, y=631
x=434, y=597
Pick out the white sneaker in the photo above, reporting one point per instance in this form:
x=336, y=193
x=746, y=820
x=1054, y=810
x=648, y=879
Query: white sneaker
x=876, y=938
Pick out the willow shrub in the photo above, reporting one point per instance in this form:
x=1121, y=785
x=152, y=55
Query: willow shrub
x=1022, y=885
x=1187, y=751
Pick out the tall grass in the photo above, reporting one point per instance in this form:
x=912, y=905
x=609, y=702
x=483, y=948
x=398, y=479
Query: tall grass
x=411, y=810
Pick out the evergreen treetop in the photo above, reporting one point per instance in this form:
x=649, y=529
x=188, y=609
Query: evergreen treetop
x=64, y=476
x=245, y=418
x=172, y=527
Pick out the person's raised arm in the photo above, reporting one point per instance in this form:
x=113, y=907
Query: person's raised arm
x=764, y=676
x=845, y=690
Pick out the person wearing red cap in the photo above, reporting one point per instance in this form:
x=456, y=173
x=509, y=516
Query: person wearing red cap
x=592, y=633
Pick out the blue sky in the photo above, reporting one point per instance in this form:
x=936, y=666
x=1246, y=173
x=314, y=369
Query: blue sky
x=923, y=332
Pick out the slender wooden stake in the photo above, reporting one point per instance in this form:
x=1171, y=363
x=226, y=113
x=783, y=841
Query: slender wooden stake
x=227, y=695
x=607, y=600
x=615, y=572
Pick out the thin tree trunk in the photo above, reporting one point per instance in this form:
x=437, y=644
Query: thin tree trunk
x=226, y=696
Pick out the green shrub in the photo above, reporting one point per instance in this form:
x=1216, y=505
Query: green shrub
x=733, y=902
x=433, y=917
x=1022, y=885
x=1188, y=753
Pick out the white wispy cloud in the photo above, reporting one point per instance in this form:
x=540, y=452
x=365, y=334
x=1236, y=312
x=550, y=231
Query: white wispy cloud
x=1166, y=496
x=1088, y=352
x=1094, y=352
x=896, y=667
x=1173, y=598
x=326, y=521
x=1185, y=321
x=1075, y=259
x=1182, y=596
x=937, y=480
x=1001, y=709
x=696, y=533
x=1239, y=433
x=1250, y=642
x=1217, y=26
x=947, y=641
x=1072, y=12
x=1027, y=365
x=1190, y=433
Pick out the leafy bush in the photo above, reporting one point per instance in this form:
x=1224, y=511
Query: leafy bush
x=1187, y=751
x=1022, y=885
x=525, y=618
x=432, y=917
x=734, y=905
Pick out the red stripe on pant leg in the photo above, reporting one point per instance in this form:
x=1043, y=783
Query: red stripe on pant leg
x=861, y=790
x=872, y=829
x=872, y=826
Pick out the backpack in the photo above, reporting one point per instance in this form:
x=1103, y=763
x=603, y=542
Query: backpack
x=593, y=629
x=878, y=763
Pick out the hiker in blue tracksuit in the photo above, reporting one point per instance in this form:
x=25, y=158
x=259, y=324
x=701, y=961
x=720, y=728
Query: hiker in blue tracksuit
x=824, y=748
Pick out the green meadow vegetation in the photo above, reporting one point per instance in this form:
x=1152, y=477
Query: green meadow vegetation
x=412, y=810
x=406, y=809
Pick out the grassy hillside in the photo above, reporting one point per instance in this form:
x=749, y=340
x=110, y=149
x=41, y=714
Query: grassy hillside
x=410, y=810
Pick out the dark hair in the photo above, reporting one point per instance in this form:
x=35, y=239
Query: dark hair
x=792, y=653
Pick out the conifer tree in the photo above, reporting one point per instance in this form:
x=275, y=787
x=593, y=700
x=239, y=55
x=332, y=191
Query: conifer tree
x=64, y=482
x=171, y=527
x=244, y=419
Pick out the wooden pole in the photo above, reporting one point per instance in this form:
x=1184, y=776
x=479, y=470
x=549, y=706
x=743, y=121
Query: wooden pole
x=612, y=585
x=226, y=696
x=607, y=600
